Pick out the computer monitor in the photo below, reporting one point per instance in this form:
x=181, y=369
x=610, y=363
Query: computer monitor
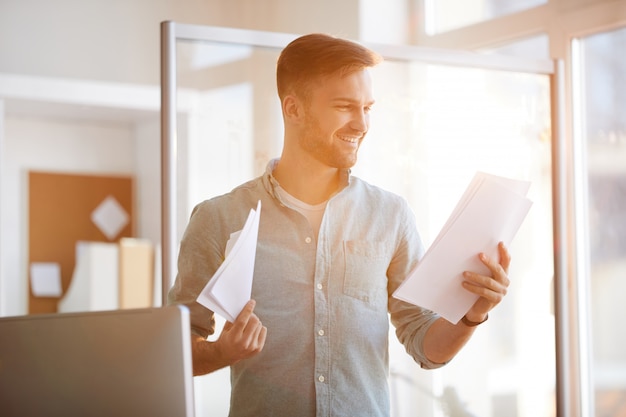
x=109, y=363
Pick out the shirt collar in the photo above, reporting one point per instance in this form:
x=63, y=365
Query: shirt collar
x=270, y=183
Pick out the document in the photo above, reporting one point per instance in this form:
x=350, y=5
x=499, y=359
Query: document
x=491, y=210
x=230, y=288
x=45, y=279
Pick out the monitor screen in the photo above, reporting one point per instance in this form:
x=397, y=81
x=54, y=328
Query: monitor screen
x=108, y=363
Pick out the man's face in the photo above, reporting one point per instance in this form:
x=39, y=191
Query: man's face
x=337, y=119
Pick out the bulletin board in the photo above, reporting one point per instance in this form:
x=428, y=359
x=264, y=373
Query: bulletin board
x=64, y=209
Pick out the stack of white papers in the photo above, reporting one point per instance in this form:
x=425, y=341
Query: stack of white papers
x=491, y=210
x=230, y=288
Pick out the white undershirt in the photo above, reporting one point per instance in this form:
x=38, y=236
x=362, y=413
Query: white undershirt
x=313, y=213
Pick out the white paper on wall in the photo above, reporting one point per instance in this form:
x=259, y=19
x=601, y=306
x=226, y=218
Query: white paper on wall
x=110, y=217
x=45, y=279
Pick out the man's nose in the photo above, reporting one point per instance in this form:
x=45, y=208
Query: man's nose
x=360, y=121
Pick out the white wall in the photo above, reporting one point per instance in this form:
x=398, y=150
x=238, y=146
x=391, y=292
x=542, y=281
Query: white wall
x=3, y=284
x=113, y=40
x=147, y=171
x=118, y=40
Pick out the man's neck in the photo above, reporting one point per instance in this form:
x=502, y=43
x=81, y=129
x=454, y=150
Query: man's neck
x=310, y=183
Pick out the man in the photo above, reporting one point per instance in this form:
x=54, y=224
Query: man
x=331, y=250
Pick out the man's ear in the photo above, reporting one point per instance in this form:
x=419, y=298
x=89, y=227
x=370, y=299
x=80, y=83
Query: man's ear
x=293, y=108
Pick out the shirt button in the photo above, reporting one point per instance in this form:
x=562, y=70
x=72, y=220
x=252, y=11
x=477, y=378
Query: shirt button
x=321, y=378
x=320, y=332
x=320, y=286
x=308, y=239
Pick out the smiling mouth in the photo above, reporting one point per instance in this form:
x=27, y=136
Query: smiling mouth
x=349, y=139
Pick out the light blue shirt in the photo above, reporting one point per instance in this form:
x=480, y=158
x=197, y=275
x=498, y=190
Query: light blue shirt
x=324, y=301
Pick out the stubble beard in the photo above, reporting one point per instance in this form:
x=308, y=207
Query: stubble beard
x=313, y=142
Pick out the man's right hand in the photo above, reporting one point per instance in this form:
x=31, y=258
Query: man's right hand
x=239, y=340
x=243, y=338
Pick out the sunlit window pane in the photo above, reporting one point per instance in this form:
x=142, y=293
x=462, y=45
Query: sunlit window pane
x=432, y=128
x=445, y=15
x=604, y=89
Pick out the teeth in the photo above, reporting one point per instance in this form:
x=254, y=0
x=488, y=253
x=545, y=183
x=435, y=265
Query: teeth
x=349, y=139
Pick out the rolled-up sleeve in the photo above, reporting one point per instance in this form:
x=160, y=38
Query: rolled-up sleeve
x=411, y=324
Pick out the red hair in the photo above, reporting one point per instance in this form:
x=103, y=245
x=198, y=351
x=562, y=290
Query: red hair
x=310, y=58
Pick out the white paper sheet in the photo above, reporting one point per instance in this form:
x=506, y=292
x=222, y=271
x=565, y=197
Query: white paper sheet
x=230, y=288
x=45, y=279
x=491, y=210
x=110, y=217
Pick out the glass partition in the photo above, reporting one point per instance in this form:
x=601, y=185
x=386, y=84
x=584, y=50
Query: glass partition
x=433, y=126
x=601, y=80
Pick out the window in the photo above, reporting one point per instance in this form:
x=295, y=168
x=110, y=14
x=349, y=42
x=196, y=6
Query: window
x=446, y=15
x=601, y=86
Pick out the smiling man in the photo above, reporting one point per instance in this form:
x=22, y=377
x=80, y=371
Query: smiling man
x=331, y=250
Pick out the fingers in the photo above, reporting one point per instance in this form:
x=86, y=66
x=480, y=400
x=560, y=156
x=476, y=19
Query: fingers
x=243, y=319
x=252, y=337
x=505, y=257
x=492, y=288
x=499, y=270
x=244, y=337
x=485, y=287
x=247, y=326
x=260, y=337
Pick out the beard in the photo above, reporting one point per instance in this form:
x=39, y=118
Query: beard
x=331, y=153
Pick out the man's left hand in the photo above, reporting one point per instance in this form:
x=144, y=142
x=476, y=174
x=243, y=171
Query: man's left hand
x=490, y=289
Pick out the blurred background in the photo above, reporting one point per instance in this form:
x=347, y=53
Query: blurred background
x=80, y=185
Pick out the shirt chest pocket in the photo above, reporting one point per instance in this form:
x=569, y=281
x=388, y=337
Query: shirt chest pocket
x=365, y=274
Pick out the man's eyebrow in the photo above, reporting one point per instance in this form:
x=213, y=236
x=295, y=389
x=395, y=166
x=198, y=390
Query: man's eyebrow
x=351, y=100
